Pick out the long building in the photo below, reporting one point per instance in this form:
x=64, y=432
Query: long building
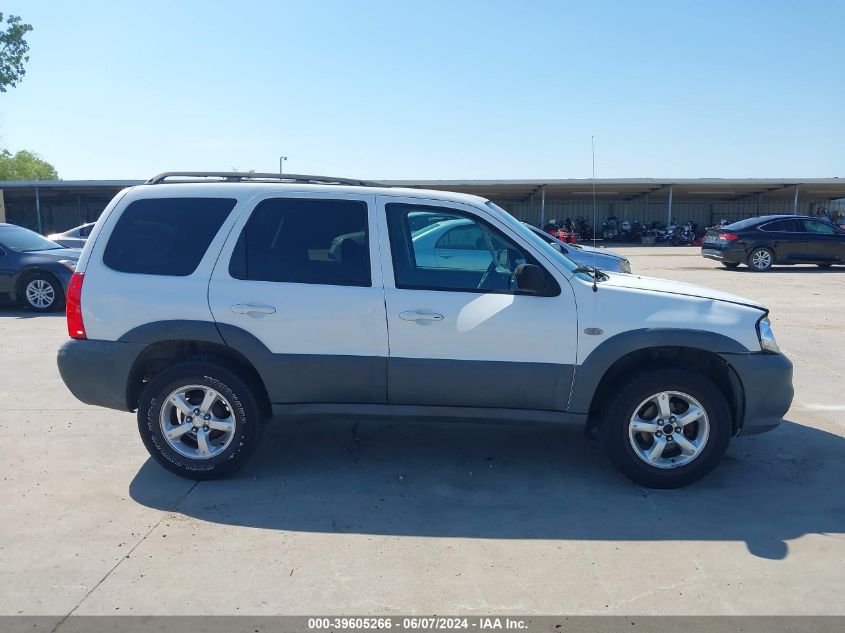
x=53, y=206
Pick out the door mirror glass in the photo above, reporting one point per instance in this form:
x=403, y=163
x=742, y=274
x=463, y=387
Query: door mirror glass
x=530, y=278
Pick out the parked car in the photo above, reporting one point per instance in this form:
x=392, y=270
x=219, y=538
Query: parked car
x=73, y=238
x=763, y=242
x=586, y=255
x=34, y=271
x=253, y=317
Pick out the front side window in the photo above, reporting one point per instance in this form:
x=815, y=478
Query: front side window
x=820, y=228
x=165, y=236
x=455, y=251
x=305, y=240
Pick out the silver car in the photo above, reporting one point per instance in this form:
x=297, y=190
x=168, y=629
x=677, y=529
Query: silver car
x=587, y=255
x=73, y=238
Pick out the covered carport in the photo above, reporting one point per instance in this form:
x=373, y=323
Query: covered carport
x=703, y=200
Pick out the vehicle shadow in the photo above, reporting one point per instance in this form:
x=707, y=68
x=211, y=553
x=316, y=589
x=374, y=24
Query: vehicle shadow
x=11, y=311
x=797, y=268
x=511, y=481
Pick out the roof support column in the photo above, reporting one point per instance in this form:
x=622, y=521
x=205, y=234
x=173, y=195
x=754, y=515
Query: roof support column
x=38, y=209
x=669, y=209
x=795, y=201
x=542, y=206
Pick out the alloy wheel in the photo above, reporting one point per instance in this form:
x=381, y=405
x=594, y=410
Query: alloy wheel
x=669, y=429
x=40, y=293
x=197, y=422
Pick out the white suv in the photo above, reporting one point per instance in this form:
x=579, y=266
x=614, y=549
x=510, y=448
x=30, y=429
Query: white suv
x=212, y=302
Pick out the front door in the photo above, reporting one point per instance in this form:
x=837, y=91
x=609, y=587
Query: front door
x=296, y=292
x=460, y=333
x=825, y=242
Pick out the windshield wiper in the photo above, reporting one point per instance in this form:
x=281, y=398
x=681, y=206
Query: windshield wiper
x=592, y=271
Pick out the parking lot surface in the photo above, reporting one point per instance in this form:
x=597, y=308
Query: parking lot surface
x=356, y=516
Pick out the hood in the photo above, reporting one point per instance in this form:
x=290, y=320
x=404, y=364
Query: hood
x=590, y=249
x=653, y=284
x=56, y=254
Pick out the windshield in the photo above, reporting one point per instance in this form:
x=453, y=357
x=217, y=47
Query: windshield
x=21, y=240
x=538, y=241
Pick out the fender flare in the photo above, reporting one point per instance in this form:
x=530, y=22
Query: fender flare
x=589, y=374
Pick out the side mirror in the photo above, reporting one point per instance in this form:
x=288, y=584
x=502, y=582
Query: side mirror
x=530, y=278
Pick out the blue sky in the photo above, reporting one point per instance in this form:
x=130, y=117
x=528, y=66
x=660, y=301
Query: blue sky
x=460, y=89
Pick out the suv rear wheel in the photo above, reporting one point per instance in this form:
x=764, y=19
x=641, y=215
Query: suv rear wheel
x=667, y=428
x=199, y=420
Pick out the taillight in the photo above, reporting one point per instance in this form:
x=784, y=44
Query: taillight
x=73, y=303
x=728, y=237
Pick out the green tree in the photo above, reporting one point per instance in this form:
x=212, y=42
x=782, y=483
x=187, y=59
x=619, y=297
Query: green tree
x=25, y=166
x=13, y=51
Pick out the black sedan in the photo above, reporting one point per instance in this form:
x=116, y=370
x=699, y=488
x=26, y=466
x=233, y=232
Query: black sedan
x=762, y=242
x=33, y=270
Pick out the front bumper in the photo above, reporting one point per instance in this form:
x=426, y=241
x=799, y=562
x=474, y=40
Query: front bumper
x=766, y=381
x=97, y=372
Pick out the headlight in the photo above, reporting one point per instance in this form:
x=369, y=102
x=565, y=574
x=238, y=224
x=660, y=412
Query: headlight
x=767, y=336
x=70, y=265
x=624, y=266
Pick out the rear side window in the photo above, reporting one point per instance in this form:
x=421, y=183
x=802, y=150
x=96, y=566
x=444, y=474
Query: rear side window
x=165, y=236
x=305, y=240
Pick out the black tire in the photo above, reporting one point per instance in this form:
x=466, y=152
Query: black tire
x=730, y=264
x=757, y=259
x=48, y=283
x=245, y=411
x=621, y=407
x=824, y=265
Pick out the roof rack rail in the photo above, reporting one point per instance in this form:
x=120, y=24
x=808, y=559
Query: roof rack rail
x=237, y=176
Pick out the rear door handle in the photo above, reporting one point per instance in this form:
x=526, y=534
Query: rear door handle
x=418, y=315
x=254, y=310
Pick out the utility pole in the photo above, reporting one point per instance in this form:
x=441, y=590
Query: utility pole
x=281, y=167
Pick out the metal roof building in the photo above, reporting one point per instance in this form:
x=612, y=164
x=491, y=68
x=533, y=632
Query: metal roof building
x=50, y=206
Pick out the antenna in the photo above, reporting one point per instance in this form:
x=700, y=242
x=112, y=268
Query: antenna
x=595, y=258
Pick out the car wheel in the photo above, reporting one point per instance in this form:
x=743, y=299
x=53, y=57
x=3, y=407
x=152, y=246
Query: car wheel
x=199, y=420
x=760, y=260
x=42, y=293
x=730, y=264
x=667, y=428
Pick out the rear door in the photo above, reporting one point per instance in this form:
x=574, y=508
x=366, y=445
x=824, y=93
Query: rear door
x=462, y=335
x=295, y=288
x=786, y=236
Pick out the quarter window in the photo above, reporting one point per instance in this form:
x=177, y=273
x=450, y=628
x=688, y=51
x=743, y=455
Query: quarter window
x=309, y=241
x=455, y=251
x=165, y=236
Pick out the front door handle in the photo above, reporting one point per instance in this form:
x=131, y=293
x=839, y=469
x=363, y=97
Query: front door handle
x=254, y=310
x=420, y=315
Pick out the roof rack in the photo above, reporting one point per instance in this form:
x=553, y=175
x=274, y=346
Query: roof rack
x=237, y=176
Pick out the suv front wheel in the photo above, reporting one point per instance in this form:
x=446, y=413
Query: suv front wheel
x=667, y=428
x=199, y=420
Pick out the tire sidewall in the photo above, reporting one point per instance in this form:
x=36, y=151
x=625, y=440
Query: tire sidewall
x=622, y=407
x=58, y=293
x=245, y=411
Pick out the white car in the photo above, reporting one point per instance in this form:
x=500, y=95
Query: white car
x=213, y=304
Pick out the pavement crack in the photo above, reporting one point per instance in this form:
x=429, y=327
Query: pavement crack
x=122, y=558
